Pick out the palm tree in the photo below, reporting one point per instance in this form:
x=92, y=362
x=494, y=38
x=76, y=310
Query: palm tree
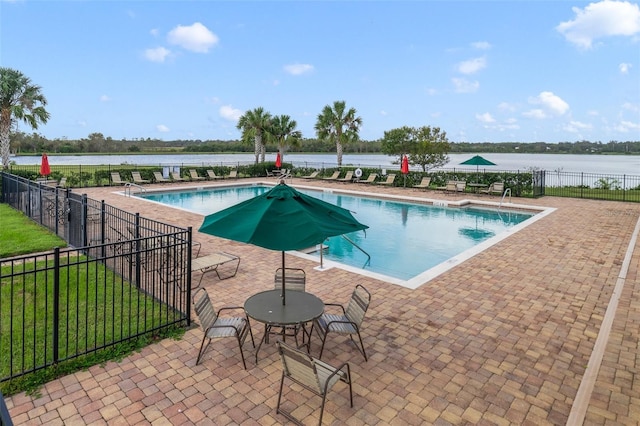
x=339, y=126
x=284, y=133
x=254, y=124
x=19, y=100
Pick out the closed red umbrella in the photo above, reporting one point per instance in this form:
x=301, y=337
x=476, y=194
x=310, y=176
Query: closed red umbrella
x=45, y=170
x=405, y=165
x=278, y=161
x=405, y=168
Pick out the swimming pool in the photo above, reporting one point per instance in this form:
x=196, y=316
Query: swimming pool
x=404, y=241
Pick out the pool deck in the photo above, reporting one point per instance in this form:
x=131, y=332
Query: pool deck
x=541, y=328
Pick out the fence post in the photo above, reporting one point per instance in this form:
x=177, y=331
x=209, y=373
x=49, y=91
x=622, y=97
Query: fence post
x=138, y=246
x=581, y=184
x=624, y=187
x=189, y=254
x=56, y=301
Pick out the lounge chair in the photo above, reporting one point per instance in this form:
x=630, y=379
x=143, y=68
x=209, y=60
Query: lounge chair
x=424, y=183
x=176, y=177
x=370, y=179
x=349, y=322
x=347, y=178
x=137, y=178
x=233, y=174
x=334, y=176
x=159, y=178
x=450, y=187
x=115, y=178
x=215, y=326
x=311, y=374
x=494, y=188
x=390, y=178
x=194, y=175
x=461, y=186
x=212, y=175
x=211, y=263
x=311, y=176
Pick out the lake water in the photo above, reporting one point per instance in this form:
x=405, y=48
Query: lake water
x=602, y=164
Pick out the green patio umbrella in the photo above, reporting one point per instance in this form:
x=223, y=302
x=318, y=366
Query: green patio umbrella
x=281, y=219
x=478, y=161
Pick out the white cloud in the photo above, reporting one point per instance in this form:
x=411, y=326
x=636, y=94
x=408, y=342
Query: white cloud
x=196, y=37
x=485, y=118
x=159, y=54
x=104, y=98
x=229, y=113
x=383, y=112
x=550, y=102
x=535, y=113
x=624, y=68
x=631, y=107
x=626, y=126
x=298, y=69
x=577, y=126
x=465, y=86
x=154, y=32
x=506, y=106
x=472, y=65
x=162, y=128
x=482, y=45
x=602, y=19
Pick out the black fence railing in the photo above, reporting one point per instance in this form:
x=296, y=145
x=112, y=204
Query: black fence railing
x=123, y=277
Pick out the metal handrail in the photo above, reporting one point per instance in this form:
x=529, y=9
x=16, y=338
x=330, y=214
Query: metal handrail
x=508, y=190
x=128, y=185
x=359, y=248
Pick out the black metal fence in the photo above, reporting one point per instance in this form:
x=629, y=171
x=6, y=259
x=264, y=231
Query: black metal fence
x=123, y=276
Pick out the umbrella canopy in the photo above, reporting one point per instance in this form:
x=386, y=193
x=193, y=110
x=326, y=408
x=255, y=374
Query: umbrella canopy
x=278, y=161
x=478, y=161
x=281, y=219
x=45, y=170
x=405, y=165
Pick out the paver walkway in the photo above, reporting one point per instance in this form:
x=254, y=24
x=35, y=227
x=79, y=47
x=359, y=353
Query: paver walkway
x=503, y=338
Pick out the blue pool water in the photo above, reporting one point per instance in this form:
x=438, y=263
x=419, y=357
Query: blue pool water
x=403, y=239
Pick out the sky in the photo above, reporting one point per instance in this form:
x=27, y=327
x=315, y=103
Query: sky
x=481, y=71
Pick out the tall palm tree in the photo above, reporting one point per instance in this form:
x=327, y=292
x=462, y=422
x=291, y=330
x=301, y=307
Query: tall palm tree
x=254, y=124
x=20, y=99
x=283, y=132
x=336, y=124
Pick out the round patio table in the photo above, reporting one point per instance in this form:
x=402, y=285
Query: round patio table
x=266, y=307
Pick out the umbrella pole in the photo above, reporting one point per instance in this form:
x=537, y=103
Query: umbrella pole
x=283, y=292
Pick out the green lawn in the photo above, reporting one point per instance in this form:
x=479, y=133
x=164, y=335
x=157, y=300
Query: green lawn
x=21, y=235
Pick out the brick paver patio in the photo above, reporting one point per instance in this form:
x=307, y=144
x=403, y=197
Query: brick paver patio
x=503, y=338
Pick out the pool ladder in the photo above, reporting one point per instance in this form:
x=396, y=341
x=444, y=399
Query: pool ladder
x=506, y=191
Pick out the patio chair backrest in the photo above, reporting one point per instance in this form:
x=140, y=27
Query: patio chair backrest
x=204, y=309
x=300, y=367
x=294, y=279
x=498, y=186
x=425, y=181
x=358, y=305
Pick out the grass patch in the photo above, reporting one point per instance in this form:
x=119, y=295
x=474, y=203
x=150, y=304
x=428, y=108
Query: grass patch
x=21, y=235
x=632, y=195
